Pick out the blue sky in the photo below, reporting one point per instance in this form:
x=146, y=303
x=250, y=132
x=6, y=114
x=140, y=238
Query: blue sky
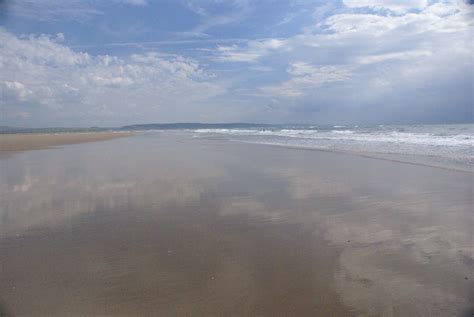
x=108, y=63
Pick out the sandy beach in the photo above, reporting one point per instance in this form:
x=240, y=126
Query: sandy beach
x=34, y=141
x=160, y=224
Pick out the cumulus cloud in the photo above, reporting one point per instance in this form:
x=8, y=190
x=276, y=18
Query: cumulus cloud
x=348, y=34
x=412, y=40
x=439, y=18
x=369, y=58
x=368, y=65
x=42, y=76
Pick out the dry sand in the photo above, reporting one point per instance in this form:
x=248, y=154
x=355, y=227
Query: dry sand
x=34, y=141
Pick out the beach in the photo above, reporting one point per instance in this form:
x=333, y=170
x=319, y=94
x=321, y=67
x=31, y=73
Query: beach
x=167, y=224
x=34, y=141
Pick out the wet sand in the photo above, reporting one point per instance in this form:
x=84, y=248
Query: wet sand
x=161, y=224
x=34, y=141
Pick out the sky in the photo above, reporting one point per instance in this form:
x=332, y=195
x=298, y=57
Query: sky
x=79, y=63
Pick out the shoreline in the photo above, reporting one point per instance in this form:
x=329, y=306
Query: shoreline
x=10, y=143
x=395, y=158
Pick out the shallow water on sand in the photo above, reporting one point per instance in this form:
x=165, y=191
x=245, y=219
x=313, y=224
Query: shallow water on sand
x=162, y=224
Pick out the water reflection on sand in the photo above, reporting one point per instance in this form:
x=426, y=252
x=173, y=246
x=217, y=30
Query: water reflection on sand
x=163, y=224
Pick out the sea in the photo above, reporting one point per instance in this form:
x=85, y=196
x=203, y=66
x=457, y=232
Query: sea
x=446, y=146
x=438, y=145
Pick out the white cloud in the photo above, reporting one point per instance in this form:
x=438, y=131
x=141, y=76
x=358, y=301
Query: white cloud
x=392, y=48
x=39, y=73
x=345, y=33
x=393, y=5
x=234, y=54
x=135, y=2
x=305, y=78
x=253, y=50
x=437, y=18
x=286, y=19
x=16, y=90
x=52, y=10
x=231, y=11
x=400, y=56
x=438, y=31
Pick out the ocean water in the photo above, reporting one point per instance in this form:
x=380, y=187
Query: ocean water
x=440, y=145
